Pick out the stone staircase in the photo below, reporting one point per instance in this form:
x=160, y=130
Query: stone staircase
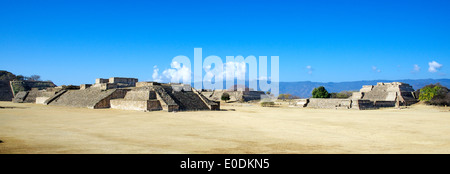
x=186, y=100
x=90, y=98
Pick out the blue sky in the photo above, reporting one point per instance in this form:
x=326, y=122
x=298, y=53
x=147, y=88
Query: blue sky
x=74, y=42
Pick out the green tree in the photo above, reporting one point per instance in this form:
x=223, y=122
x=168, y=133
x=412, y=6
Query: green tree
x=428, y=92
x=225, y=97
x=434, y=94
x=320, y=92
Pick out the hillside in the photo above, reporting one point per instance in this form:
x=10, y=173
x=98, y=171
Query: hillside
x=19, y=83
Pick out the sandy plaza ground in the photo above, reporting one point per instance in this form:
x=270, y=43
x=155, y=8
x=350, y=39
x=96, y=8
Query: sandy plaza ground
x=238, y=128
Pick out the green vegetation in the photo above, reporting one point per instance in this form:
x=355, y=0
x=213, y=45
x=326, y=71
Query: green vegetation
x=18, y=86
x=5, y=75
x=225, y=97
x=320, y=92
x=428, y=92
x=24, y=83
x=435, y=95
x=342, y=94
x=267, y=104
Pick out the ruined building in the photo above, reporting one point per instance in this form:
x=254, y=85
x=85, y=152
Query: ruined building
x=122, y=93
x=237, y=93
x=158, y=96
x=393, y=94
x=387, y=94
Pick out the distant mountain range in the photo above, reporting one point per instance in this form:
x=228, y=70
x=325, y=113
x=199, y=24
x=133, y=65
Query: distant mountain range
x=304, y=89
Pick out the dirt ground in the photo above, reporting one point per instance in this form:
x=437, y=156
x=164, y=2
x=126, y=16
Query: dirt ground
x=242, y=128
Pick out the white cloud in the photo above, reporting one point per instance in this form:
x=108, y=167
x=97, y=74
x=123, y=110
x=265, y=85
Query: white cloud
x=175, y=65
x=178, y=73
x=236, y=68
x=156, y=77
x=309, y=68
x=434, y=66
x=374, y=68
x=174, y=74
x=231, y=70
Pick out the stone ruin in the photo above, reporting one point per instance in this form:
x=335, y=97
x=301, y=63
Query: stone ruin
x=237, y=93
x=389, y=94
x=149, y=96
x=122, y=93
x=6, y=93
x=393, y=94
x=112, y=83
x=22, y=88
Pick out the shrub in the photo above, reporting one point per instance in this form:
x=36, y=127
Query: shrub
x=320, y=92
x=435, y=95
x=267, y=104
x=225, y=97
x=427, y=93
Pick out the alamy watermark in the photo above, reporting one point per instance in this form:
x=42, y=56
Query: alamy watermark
x=216, y=72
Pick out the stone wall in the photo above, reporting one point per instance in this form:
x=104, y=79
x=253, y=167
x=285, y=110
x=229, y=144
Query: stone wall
x=138, y=105
x=104, y=86
x=234, y=95
x=54, y=97
x=124, y=80
x=41, y=100
x=105, y=102
x=6, y=93
x=24, y=85
x=100, y=80
x=31, y=96
x=20, y=97
x=362, y=104
x=115, y=82
x=381, y=104
x=140, y=98
x=140, y=95
x=91, y=98
x=300, y=102
x=85, y=86
x=142, y=84
x=327, y=103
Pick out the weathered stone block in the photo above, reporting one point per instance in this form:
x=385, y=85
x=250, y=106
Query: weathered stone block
x=137, y=105
x=41, y=100
x=85, y=86
x=328, y=103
